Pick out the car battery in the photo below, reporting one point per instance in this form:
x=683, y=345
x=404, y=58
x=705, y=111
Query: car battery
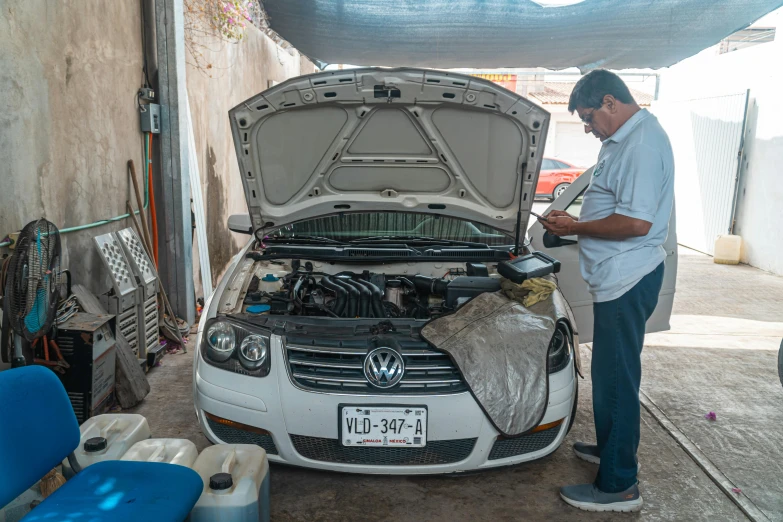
x=87, y=343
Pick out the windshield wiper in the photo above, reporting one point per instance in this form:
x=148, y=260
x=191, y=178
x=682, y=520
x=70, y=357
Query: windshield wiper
x=303, y=239
x=418, y=240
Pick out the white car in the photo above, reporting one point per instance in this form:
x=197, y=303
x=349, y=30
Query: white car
x=373, y=196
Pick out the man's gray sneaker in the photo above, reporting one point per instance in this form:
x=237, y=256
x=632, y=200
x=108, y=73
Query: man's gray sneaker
x=589, y=498
x=588, y=452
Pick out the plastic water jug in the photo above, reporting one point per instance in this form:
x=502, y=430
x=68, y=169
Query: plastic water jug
x=236, y=484
x=172, y=451
x=728, y=249
x=107, y=437
x=270, y=284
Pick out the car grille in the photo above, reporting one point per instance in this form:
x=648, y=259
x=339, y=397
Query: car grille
x=338, y=366
x=505, y=448
x=436, y=452
x=231, y=435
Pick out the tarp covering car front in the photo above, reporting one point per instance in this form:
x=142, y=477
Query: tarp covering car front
x=614, y=34
x=501, y=350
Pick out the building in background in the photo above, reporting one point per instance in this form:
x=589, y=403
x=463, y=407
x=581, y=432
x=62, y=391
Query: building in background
x=699, y=91
x=567, y=139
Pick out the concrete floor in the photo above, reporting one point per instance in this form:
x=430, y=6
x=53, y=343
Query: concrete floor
x=718, y=357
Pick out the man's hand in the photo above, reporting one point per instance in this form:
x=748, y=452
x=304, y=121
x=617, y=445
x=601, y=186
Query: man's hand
x=557, y=213
x=559, y=225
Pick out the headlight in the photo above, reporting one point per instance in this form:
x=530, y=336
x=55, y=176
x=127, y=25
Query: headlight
x=559, y=349
x=221, y=340
x=253, y=352
x=236, y=347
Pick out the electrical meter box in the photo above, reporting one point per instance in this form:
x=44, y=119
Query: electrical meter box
x=150, y=118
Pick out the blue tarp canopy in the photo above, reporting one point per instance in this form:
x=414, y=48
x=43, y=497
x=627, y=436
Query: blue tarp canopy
x=614, y=34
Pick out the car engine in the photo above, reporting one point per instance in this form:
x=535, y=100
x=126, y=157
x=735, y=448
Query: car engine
x=306, y=292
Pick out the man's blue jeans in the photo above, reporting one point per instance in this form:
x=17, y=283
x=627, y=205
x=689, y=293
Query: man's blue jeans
x=616, y=369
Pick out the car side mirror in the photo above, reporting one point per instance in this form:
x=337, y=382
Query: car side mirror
x=553, y=241
x=240, y=223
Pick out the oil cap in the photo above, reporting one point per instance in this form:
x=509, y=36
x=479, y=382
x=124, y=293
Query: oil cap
x=220, y=481
x=95, y=444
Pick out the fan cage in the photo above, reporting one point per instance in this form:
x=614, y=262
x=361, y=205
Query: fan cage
x=33, y=280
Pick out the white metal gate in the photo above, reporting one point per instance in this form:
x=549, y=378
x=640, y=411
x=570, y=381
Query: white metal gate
x=706, y=136
x=573, y=145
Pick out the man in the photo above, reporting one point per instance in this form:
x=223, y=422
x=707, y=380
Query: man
x=621, y=229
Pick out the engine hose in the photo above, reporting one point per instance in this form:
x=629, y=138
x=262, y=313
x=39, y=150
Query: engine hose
x=407, y=282
x=340, y=293
x=377, y=298
x=352, y=305
x=364, y=297
x=430, y=285
x=295, y=292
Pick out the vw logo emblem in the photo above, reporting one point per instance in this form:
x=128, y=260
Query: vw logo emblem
x=383, y=367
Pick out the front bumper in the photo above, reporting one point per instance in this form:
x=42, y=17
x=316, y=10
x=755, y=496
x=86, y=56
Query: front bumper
x=302, y=425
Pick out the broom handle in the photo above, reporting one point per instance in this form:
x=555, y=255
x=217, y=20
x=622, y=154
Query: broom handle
x=145, y=231
x=166, y=303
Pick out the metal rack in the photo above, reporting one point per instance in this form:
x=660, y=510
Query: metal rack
x=141, y=265
x=123, y=299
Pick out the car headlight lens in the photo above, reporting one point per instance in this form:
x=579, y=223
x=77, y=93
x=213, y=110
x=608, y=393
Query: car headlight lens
x=254, y=351
x=221, y=339
x=237, y=347
x=559, y=349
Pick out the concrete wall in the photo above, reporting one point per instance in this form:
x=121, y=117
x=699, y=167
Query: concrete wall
x=759, y=68
x=240, y=71
x=69, y=72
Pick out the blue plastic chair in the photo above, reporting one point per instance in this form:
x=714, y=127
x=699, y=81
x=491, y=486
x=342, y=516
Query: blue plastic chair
x=38, y=429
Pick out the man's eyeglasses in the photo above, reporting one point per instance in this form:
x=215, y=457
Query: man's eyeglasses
x=588, y=119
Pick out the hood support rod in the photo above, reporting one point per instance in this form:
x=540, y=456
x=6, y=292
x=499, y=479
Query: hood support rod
x=519, y=210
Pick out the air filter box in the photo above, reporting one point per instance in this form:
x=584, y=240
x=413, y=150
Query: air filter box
x=467, y=286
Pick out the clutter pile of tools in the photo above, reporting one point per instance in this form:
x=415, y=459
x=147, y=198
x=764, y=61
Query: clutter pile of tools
x=45, y=316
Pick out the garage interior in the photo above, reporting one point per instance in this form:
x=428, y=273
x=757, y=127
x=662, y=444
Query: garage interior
x=711, y=444
x=719, y=356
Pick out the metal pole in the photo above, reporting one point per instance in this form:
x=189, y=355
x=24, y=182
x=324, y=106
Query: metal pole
x=740, y=161
x=176, y=241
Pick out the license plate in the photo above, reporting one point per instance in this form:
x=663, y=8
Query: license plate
x=391, y=426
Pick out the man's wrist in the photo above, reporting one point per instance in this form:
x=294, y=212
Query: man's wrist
x=575, y=229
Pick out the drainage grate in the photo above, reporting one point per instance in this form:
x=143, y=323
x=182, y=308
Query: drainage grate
x=503, y=449
x=230, y=435
x=436, y=452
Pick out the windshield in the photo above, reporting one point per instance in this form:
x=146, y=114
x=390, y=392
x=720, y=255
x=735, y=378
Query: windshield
x=396, y=225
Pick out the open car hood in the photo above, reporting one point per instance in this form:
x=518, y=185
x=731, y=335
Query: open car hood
x=405, y=140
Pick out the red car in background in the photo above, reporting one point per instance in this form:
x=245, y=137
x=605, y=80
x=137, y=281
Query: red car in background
x=556, y=176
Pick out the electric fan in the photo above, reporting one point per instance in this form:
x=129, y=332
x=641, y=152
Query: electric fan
x=32, y=285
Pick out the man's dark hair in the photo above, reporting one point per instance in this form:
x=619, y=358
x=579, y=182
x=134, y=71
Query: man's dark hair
x=591, y=88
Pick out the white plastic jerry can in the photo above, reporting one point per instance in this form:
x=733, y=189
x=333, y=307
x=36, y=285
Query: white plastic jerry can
x=728, y=250
x=107, y=437
x=172, y=451
x=236, y=484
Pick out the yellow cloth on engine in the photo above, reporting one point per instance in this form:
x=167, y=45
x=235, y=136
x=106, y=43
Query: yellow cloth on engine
x=530, y=291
